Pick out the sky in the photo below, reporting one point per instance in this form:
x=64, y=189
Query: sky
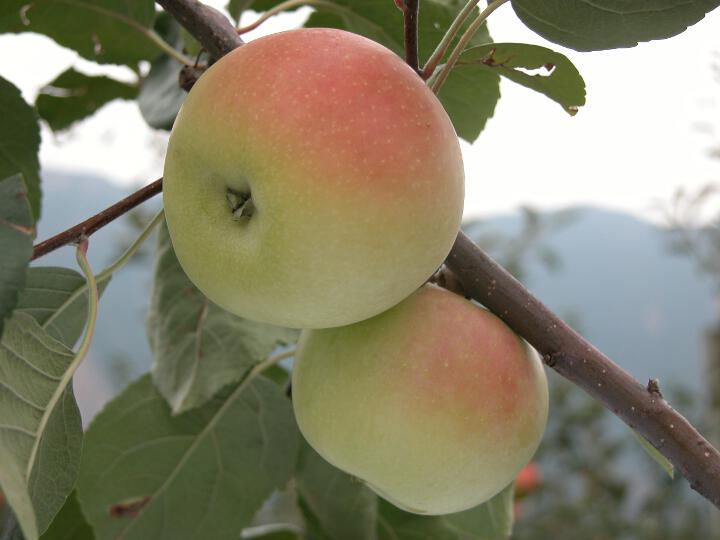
x=651, y=119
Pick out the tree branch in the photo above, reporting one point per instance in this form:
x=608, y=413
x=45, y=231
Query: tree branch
x=573, y=357
x=210, y=27
x=563, y=349
x=92, y=224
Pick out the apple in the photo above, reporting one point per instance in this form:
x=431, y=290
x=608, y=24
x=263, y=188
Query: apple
x=436, y=404
x=311, y=180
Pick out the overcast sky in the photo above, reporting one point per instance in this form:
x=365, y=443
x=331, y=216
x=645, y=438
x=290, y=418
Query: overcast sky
x=653, y=114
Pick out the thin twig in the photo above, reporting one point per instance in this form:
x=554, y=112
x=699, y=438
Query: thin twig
x=66, y=377
x=462, y=44
x=107, y=273
x=447, y=39
x=92, y=224
x=284, y=6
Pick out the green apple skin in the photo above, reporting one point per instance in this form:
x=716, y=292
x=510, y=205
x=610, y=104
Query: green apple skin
x=353, y=167
x=436, y=404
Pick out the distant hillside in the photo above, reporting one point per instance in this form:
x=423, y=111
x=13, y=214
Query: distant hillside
x=645, y=308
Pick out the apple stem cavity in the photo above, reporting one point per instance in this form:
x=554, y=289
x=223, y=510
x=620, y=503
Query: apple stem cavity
x=240, y=203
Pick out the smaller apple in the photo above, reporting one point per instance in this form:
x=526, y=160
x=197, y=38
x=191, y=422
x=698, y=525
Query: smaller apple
x=436, y=404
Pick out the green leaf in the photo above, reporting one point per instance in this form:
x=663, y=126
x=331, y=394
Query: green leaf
x=609, y=24
x=20, y=142
x=40, y=426
x=160, y=95
x=653, y=453
x=16, y=238
x=73, y=96
x=106, y=31
x=57, y=298
x=148, y=474
x=469, y=96
x=336, y=504
x=199, y=347
x=557, y=79
x=271, y=534
x=236, y=7
x=70, y=523
x=490, y=521
x=279, y=515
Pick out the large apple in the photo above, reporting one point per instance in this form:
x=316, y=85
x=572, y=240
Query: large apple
x=436, y=404
x=311, y=180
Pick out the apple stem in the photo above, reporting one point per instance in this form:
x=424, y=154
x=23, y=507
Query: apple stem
x=411, y=9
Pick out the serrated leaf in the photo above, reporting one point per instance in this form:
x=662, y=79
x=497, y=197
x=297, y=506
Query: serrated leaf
x=40, y=426
x=335, y=504
x=609, y=24
x=16, y=242
x=106, y=31
x=57, y=298
x=492, y=520
x=148, y=474
x=70, y=523
x=199, y=347
x=160, y=96
x=20, y=142
x=557, y=78
x=653, y=453
x=73, y=96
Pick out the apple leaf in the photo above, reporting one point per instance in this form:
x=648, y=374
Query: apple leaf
x=279, y=515
x=160, y=96
x=335, y=504
x=40, y=426
x=20, y=142
x=272, y=534
x=73, y=96
x=106, y=31
x=236, y=7
x=609, y=24
x=199, y=347
x=203, y=474
x=556, y=77
x=70, y=523
x=57, y=298
x=469, y=97
x=16, y=238
x=490, y=521
x=653, y=453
